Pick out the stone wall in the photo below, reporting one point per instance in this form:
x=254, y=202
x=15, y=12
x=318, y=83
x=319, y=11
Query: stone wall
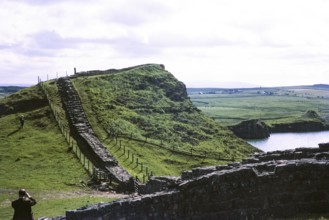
x=111, y=71
x=267, y=186
x=87, y=141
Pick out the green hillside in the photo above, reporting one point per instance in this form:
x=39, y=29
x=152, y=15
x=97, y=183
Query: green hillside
x=145, y=108
x=36, y=158
x=148, y=103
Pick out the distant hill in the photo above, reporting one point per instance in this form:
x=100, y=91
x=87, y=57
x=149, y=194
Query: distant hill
x=216, y=90
x=322, y=86
x=215, y=84
x=7, y=90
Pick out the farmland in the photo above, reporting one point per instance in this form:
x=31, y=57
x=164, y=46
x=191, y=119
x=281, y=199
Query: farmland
x=272, y=105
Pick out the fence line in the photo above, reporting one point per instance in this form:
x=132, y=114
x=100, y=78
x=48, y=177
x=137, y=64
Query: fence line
x=191, y=152
x=73, y=146
x=134, y=161
x=101, y=175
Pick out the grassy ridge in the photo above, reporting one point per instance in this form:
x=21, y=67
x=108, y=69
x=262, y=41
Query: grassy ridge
x=281, y=105
x=148, y=102
x=36, y=158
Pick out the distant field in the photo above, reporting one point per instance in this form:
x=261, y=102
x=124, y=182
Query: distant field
x=7, y=90
x=230, y=106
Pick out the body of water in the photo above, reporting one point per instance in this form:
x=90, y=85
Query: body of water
x=284, y=141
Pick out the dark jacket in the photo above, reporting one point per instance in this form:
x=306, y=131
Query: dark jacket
x=22, y=208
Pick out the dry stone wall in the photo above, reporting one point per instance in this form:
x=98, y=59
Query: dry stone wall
x=267, y=186
x=87, y=141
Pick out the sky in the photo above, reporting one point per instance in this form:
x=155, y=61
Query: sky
x=202, y=43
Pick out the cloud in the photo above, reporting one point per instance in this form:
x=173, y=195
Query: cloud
x=41, y=2
x=51, y=40
x=137, y=12
x=254, y=41
x=6, y=46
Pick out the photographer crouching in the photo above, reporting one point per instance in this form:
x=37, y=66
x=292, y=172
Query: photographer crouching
x=22, y=206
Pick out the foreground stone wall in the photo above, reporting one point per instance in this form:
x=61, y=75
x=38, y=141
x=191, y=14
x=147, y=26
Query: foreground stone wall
x=262, y=188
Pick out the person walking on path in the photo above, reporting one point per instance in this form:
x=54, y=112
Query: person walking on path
x=22, y=206
x=21, y=120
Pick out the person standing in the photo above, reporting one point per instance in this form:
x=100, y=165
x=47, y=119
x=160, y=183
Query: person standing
x=22, y=206
x=21, y=120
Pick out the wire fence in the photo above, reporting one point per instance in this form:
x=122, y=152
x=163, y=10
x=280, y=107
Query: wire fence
x=191, y=152
x=146, y=172
x=135, y=162
x=92, y=170
x=73, y=146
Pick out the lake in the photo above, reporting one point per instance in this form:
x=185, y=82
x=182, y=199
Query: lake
x=284, y=141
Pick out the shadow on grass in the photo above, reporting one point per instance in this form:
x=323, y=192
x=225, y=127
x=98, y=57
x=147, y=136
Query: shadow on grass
x=13, y=132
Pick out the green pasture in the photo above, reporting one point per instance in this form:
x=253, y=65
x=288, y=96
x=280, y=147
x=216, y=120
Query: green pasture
x=283, y=105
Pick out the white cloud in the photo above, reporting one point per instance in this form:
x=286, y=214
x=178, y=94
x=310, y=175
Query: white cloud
x=261, y=42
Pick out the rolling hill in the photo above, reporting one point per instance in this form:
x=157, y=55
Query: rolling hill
x=144, y=106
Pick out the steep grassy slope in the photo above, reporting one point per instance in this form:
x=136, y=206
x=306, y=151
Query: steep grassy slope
x=36, y=157
x=148, y=103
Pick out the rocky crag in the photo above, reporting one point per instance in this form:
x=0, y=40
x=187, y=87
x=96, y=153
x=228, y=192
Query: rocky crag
x=251, y=129
x=257, y=129
x=273, y=185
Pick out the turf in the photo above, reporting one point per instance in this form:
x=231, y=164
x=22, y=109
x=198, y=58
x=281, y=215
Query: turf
x=36, y=158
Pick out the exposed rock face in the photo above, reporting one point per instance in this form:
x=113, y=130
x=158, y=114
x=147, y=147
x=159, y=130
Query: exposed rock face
x=273, y=185
x=177, y=92
x=251, y=129
x=302, y=126
x=5, y=109
x=23, y=102
x=310, y=121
